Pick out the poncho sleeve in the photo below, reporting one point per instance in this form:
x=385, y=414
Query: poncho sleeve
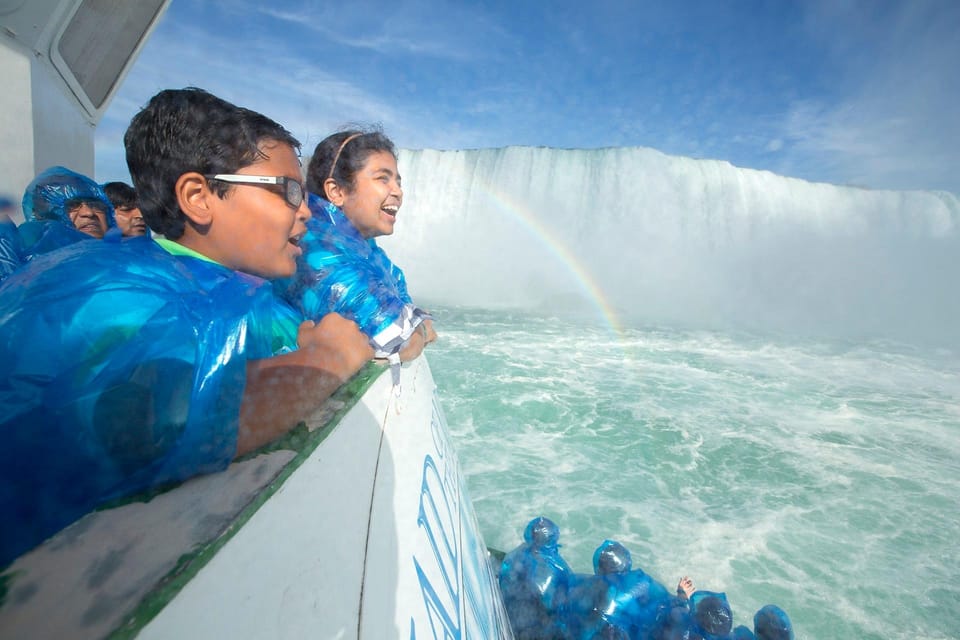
x=11, y=249
x=341, y=272
x=120, y=370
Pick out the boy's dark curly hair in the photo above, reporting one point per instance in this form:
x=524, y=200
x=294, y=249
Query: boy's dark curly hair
x=184, y=130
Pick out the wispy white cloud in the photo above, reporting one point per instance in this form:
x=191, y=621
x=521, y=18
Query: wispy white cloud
x=450, y=32
x=859, y=92
x=283, y=84
x=891, y=122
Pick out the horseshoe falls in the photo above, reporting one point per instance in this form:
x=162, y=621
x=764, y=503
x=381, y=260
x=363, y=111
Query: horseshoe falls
x=746, y=378
x=666, y=239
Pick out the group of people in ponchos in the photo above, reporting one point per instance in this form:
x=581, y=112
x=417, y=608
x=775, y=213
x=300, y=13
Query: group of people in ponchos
x=546, y=600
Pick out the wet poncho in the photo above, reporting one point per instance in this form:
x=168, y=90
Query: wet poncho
x=708, y=617
x=341, y=271
x=46, y=197
x=617, y=598
x=122, y=368
x=11, y=249
x=545, y=599
x=772, y=623
x=47, y=224
x=534, y=581
x=741, y=632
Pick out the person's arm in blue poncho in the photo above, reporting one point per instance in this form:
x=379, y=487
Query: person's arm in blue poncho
x=124, y=369
x=343, y=273
x=11, y=247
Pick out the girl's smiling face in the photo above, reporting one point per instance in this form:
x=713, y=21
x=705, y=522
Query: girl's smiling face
x=375, y=198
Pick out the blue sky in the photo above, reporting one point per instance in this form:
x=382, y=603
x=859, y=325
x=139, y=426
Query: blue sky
x=842, y=91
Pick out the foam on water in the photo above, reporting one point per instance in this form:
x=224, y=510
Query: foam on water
x=819, y=475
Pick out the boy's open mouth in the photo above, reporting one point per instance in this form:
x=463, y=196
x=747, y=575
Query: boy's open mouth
x=295, y=240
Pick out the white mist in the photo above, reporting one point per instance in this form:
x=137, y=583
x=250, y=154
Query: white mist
x=672, y=240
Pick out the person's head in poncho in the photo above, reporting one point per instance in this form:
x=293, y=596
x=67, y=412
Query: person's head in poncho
x=542, y=533
x=772, y=623
x=358, y=172
x=61, y=195
x=611, y=557
x=712, y=615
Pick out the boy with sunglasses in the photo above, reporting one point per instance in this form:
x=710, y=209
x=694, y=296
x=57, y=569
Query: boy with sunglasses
x=129, y=365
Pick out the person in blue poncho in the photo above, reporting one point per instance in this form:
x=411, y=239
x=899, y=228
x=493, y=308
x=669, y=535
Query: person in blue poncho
x=11, y=244
x=617, y=596
x=60, y=207
x=355, y=195
x=772, y=623
x=534, y=580
x=131, y=365
x=59, y=198
x=706, y=616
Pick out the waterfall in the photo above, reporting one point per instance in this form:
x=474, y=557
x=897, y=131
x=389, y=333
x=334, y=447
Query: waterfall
x=665, y=239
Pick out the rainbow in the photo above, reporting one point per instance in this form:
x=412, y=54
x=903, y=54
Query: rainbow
x=528, y=221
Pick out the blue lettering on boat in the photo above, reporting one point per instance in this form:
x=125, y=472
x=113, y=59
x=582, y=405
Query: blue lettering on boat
x=456, y=605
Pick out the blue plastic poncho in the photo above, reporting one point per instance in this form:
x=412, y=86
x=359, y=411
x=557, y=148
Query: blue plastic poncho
x=47, y=225
x=341, y=271
x=617, y=597
x=534, y=580
x=741, y=632
x=46, y=197
x=711, y=617
x=11, y=249
x=121, y=368
x=772, y=623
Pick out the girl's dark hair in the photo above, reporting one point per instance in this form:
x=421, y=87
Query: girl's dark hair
x=184, y=130
x=343, y=167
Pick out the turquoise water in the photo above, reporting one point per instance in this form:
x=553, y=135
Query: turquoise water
x=820, y=476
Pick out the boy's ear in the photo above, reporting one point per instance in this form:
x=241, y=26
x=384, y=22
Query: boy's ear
x=332, y=192
x=195, y=198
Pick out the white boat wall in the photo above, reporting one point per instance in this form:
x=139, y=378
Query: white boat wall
x=355, y=526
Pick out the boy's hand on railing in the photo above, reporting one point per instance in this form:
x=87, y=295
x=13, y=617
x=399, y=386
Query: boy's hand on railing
x=335, y=344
